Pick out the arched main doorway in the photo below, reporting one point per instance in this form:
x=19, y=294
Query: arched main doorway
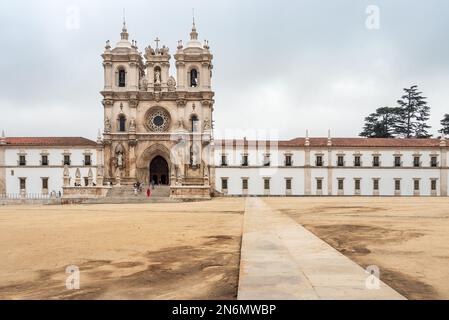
x=159, y=174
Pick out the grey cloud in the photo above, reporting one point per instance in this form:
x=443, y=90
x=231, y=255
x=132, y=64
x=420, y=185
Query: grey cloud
x=287, y=65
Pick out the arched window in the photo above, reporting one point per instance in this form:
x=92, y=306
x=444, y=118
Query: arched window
x=194, y=123
x=122, y=123
x=122, y=78
x=193, y=78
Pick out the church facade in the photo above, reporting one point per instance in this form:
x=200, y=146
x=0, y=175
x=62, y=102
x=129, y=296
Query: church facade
x=158, y=130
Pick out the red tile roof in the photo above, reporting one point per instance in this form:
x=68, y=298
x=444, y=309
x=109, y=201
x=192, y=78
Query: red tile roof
x=50, y=141
x=338, y=142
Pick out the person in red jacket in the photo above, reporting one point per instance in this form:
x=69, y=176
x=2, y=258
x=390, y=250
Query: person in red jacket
x=148, y=192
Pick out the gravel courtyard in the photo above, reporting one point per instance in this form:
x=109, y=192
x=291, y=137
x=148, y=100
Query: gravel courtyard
x=192, y=250
x=149, y=251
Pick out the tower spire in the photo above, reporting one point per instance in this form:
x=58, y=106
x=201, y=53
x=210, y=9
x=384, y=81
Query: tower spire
x=124, y=35
x=193, y=34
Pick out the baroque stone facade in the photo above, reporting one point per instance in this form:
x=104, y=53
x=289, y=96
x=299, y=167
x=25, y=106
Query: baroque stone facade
x=158, y=129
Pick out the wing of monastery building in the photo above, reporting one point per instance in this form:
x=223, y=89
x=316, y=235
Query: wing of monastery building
x=158, y=131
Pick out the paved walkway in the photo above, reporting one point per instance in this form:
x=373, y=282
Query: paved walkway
x=280, y=259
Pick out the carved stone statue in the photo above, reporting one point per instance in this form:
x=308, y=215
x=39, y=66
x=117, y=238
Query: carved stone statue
x=132, y=125
x=119, y=160
x=143, y=84
x=171, y=83
x=119, y=154
x=107, y=125
x=157, y=77
x=207, y=124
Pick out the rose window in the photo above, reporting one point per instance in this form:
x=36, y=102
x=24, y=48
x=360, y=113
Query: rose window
x=159, y=121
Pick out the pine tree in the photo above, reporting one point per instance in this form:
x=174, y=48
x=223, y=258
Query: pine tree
x=380, y=124
x=413, y=115
x=445, y=125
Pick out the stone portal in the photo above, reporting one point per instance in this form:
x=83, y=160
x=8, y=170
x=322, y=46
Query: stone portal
x=159, y=171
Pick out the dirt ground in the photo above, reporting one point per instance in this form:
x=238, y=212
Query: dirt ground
x=148, y=251
x=407, y=238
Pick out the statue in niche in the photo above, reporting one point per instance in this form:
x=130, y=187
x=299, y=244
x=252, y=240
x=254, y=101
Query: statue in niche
x=194, y=155
x=132, y=125
x=120, y=156
x=119, y=160
x=157, y=77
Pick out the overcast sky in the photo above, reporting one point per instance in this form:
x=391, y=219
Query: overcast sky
x=283, y=65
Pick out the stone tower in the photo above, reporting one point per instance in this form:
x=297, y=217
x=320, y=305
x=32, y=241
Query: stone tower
x=158, y=128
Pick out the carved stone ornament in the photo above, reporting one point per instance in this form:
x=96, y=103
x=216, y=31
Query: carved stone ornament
x=171, y=83
x=107, y=125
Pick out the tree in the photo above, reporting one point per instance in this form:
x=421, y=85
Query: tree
x=380, y=124
x=413, y=115
x=445, y=125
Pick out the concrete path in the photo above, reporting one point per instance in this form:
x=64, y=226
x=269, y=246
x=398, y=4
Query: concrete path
x=280, y=260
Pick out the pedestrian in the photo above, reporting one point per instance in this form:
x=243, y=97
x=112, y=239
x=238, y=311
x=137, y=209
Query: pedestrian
x=148, y=192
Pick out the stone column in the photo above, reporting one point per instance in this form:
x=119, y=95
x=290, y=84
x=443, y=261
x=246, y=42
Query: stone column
x=2, y=171
x=329, y=172
x=444, y=169
x=132, y=161
x=307, y=173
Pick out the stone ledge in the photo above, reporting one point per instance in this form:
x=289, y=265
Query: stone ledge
x=85, y=192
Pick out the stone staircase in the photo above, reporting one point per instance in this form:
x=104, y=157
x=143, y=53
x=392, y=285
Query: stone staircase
x=125, y=194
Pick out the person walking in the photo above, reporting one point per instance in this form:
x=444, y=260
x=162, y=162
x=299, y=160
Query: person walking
x=148, y=192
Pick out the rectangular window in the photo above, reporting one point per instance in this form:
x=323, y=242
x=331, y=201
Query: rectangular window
x=86, y=181
x=87, y=160
x=44, y=183
x=397, y=161
x=376, y=162
x=266, y=160
x=357, y=161
x=319, y=161
x=288, y=184
x=266, y=184
x=341, y=161
x=319, y=184
x=434, y=162
x=22, y=161
x=245, y=160
x=433, y=185
x=224, y=184
x=397, y=185
x=376, y=184
x=66, y=160
x=357, y=184
x=416, y=162
x=415, y=185
x=22, y=182
x=245, y=184
x=224, y=160
x=340, y=184
x=288, y=161
x=44, y=160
